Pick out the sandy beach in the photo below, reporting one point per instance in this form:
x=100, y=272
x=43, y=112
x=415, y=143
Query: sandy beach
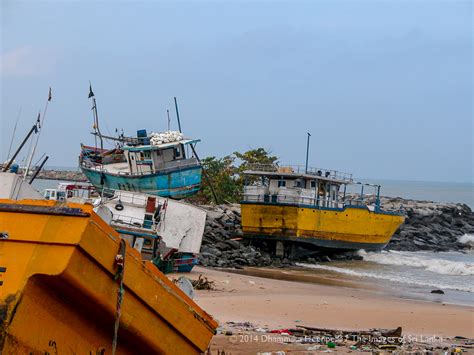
x=280, y=304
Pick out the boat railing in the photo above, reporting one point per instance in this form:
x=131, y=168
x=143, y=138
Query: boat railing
x=287, y=199
x=128, y=220
x=317, y=202
x=300, y=169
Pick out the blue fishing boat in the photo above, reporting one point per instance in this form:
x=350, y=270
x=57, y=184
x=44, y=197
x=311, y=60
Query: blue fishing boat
x=162, y=164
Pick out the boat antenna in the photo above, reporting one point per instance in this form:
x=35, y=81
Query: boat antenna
x=168, y=113
x=33, y=129
x=96, y=116
x=13, y=135
x=177, y=114
x=307, y=152
x=40, y=125
x=39, y=169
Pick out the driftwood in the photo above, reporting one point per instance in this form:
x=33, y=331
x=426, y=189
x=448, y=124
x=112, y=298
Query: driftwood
x=389, y=333
x=202, y=283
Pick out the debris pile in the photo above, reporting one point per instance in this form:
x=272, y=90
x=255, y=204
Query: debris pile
x=202, y=283
x=325, y=340
x=165, y=137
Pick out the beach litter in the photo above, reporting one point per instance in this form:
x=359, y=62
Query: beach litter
x=202, y=283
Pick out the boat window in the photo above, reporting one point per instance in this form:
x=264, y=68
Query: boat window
x=313, y=184
x=281, y=183
x=177, y=152
x=298, y=183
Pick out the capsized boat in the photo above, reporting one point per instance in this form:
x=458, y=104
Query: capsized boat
x=295, y=206
x=167, y=231
x=68, y=281
x=162, y=164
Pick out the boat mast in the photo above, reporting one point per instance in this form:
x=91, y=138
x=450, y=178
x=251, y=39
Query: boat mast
x=96, y=116
x=40, y=125
x=307, y=152
x=33, y=129
x=38, y=170
x=177, y=114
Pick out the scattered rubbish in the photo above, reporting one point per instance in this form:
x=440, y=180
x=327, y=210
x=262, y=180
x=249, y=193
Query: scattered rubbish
x=202, y=283
x=388, y=347
x=186, y=286
x=331, y=345
x=314, y=347
x=251, y=282
x=261, y=330
x=373, y=332
x=440, y=292
x=281, y=331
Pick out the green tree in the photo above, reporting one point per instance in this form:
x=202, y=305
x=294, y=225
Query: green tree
x=225, y=175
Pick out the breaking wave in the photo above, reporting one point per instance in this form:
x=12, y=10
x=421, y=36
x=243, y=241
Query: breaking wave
x=438, y=266
x=393, y=278
x=467, y=239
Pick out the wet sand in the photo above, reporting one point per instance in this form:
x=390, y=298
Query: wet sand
x=275, y=304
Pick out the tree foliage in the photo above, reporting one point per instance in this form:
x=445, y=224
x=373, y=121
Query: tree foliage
x=225, y=175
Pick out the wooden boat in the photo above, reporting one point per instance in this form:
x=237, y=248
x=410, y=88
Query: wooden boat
x=67, y=280
x=295, y=207
x=143, y=164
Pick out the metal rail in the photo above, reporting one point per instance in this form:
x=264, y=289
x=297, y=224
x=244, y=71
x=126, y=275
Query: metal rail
x=300, y=169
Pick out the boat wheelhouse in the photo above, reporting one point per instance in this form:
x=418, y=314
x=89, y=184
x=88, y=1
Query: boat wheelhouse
x=162, y=164
x=313, y=208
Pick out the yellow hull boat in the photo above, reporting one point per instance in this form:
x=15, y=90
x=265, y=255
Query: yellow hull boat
x=60, y=287
x=306, y=207
x=347, y=228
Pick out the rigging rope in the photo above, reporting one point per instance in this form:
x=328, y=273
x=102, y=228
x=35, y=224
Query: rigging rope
x=120, y=264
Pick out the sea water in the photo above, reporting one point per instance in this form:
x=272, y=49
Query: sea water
x=428, y=190
x=411, y=274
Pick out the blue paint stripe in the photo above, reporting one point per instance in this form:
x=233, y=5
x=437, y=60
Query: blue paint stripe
x=313, y=207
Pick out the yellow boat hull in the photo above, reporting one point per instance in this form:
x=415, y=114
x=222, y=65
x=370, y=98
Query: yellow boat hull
x=58, y=293
x=348, y=228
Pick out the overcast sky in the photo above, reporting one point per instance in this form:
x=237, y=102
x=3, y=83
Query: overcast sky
x=384, y=87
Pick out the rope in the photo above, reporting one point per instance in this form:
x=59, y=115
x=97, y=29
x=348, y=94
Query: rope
x=120, y=263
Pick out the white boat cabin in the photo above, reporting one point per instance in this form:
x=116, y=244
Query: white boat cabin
x=299, y=185
x=144, y=159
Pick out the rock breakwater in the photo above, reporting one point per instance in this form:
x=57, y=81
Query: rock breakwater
x=429, y=226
